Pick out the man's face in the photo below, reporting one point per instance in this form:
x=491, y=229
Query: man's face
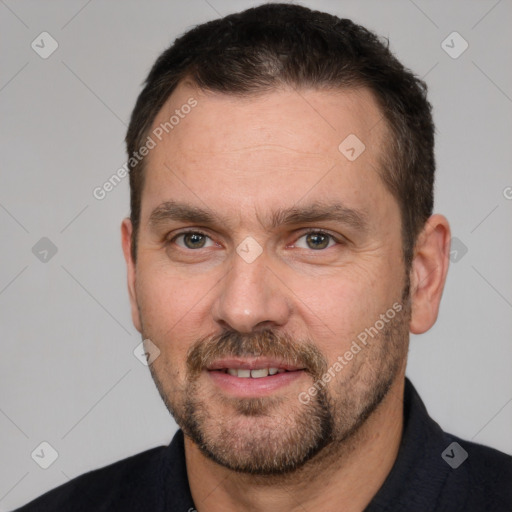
x=263, y=248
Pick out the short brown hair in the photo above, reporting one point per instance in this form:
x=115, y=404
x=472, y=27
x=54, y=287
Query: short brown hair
x=264, y=47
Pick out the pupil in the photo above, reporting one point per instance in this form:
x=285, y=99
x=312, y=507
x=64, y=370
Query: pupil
x=194, y=240
x=317, y=240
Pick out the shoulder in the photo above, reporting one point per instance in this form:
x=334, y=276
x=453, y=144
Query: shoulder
x=118, y=486
x=484, y=475
x=436, y=470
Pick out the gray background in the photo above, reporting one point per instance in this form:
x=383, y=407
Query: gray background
x=68, y=373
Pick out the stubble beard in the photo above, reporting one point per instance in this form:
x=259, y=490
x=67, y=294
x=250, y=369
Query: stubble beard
x=278, y=435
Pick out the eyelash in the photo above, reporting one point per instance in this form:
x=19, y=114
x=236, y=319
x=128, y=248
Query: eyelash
x=307, y=232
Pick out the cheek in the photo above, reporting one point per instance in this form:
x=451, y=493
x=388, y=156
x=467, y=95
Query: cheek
x=170, y=306
x=339, y=307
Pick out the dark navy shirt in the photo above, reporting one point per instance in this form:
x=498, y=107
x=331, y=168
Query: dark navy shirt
x=434, y=471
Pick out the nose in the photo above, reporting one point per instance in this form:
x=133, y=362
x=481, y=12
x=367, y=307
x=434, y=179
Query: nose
x=251, y=297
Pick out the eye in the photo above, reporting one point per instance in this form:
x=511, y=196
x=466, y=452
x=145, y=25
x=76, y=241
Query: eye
x=316, y=240
x=192, y=240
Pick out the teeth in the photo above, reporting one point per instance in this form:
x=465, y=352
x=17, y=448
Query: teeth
x=255, y=374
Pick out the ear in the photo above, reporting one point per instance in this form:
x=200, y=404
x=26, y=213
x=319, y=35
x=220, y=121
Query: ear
x=126, y=237
x=428, y=273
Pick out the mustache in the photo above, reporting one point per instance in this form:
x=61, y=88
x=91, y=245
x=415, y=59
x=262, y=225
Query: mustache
x=265, y=343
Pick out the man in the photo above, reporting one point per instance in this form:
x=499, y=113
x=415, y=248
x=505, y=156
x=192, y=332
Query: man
x=281, y=247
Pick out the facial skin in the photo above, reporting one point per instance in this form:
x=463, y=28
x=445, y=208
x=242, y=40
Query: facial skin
x=250, y=163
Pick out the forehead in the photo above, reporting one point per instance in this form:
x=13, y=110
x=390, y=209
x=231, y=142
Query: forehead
x=227, y=151
x=284, y=117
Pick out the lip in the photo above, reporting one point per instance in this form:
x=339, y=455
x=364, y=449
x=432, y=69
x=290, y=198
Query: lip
x=252, y=364
x=252, y=387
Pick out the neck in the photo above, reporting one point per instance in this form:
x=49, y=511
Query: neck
x=343, y=477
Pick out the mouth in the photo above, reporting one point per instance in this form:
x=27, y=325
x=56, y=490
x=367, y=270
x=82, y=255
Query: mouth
x=252, y=377
x=256, y=373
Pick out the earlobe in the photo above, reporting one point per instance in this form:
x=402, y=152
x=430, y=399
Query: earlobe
x=126, y=238
x=428, y=273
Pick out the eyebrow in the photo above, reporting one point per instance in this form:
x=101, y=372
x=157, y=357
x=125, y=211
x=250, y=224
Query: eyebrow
x=315, y=212
x=172, y=210
x=321, y=212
